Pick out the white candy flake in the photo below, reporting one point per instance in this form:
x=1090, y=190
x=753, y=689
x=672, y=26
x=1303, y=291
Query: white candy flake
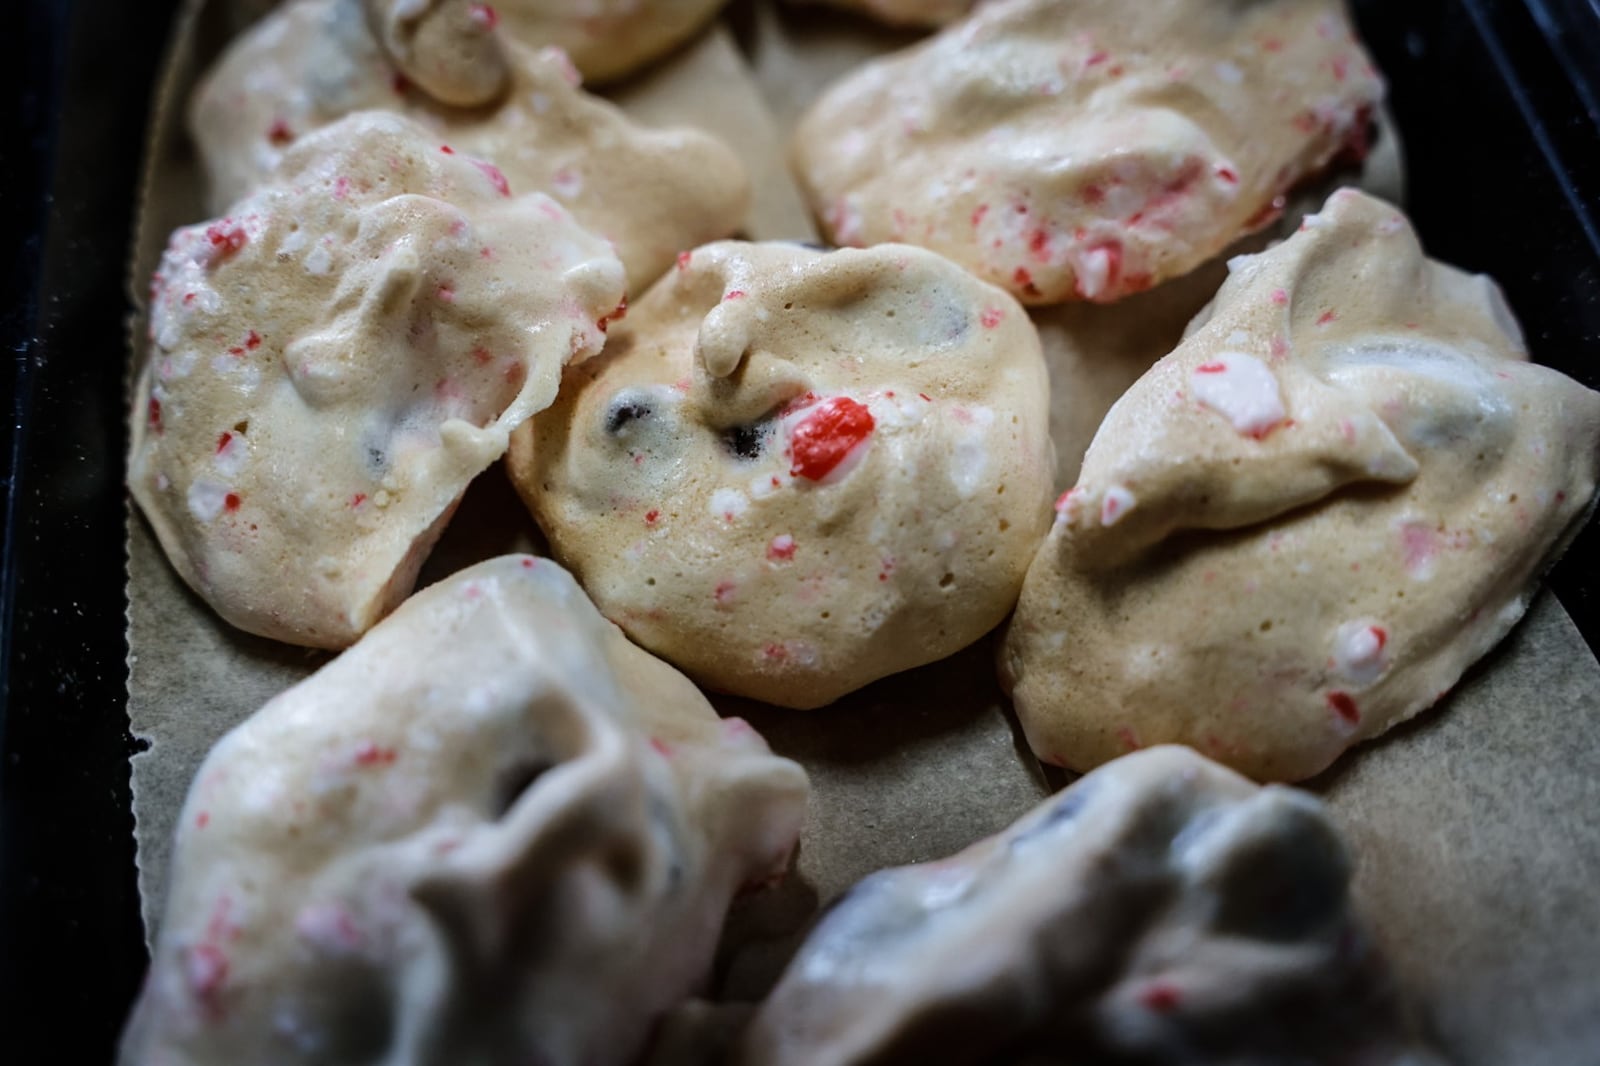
x=728, y=504
x=1241, y=389
x=206, y=500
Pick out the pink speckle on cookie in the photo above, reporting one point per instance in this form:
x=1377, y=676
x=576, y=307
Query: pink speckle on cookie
x=329, y=927
x=845, y=221
x=371, y=754
x=206, y=971
x=1068, y=505
x=251, y=342
x=226, y=237
x=493, y=173
x=781, y=548
x=1115, y=505
x=569, y=73
x=567, y=182
x=1420, y=545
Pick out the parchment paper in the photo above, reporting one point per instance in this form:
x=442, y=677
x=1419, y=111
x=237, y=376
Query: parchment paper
x=1475, y=827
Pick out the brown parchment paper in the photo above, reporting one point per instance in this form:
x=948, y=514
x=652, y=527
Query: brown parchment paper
x=1477, y=829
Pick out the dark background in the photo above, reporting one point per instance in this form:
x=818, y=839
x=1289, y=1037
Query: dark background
x=1498, y=101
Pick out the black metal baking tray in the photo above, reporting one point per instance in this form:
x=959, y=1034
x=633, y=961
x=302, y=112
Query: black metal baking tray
x=1497, y=98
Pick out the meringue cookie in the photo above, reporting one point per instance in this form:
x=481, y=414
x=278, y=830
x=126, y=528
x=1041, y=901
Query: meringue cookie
x=794, y=472
x=448, y=48
x=1161, y=910
x=606, y=39
x=651, y=192
x=1304, y=524
x=333, y=361
x=494, y=830
x=1088, y=149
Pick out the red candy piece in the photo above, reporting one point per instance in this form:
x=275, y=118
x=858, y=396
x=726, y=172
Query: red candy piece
x=226, y=237
x=370, y=754
x=827, y=435
x=1160, y=997
x=1344, y=707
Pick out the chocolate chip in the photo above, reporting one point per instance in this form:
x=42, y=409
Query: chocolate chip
x=747, y=442
x=625, y=411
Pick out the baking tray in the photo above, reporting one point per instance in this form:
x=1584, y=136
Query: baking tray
x=1497, y=101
